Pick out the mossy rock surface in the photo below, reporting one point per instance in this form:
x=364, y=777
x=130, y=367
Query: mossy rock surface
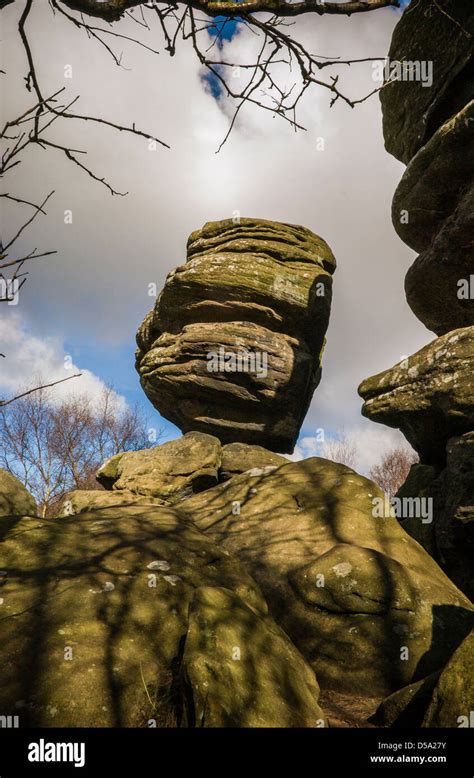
x=248, y=289
x=439, y=285
x=240, y=457
x=436, y=182
x=94, y=623
x=429, y=396
x=348, y=585
x=227, y=644
x=442, y=700
x=449, y=537
x=15, y=500
x=167, y=472
x=452, y=702
x=428, y=33
x=81, y=500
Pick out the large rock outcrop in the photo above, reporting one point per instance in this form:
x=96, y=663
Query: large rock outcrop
x=363, y=602
x=233, y=345
x=130, y=616
x=429, y=124
x=15, y=500
x=230, y=608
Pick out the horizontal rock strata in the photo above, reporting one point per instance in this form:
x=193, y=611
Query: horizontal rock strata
x=233, y=346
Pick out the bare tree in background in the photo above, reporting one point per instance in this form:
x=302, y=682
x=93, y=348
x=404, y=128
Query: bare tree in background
x=341, y=450
x=393, y=470
x=55, y=447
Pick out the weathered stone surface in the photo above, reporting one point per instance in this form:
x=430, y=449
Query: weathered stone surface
x=443, y=699
x=436, y=182
x=80, y=500
x=283, y=242
x=240, y=457
x=168, y=472
x=418, y=485
x=453, y=695
x=439, y=285
x=255, y=288
x=419, y=480
x=428, y=34
x=15, y=500
x=454, y=490
x=241, y=405
x=350, y=589
x=241, y=670
x=429, y=396
x=449, y=538
x=406, y=707
x=94, y=614
x=429, y=126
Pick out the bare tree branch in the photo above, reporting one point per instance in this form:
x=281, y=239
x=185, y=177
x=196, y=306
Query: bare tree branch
x=112, y=10
x=28, y=222
x=3, y=403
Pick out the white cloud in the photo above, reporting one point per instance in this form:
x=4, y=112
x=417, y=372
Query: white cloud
x=31, y=361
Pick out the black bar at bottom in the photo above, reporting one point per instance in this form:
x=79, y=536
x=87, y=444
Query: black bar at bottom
x=158, y=752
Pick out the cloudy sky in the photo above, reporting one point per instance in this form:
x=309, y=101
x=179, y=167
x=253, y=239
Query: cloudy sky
x=87, y=301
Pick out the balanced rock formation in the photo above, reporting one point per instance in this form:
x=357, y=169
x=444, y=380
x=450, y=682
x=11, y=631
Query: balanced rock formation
x=129, y=616
x=429, y=125
x=363, y=602
x=233, y=345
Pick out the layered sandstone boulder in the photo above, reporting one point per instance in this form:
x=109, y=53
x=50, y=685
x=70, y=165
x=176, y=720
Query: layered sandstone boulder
x=428, y=396
x=233, y=345
x=168, y=472
x=241, y=670
x=433, y=212
x=440, y=37
x=429, y=124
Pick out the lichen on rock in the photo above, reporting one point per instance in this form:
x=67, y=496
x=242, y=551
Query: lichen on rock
x=233, y=346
